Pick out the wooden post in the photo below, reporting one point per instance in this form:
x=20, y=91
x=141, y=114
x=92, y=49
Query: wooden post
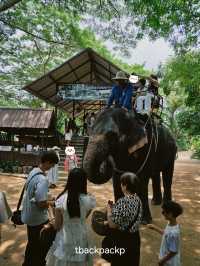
x=84, y=115
x=73, y=115
x=56, y=108
x=0, y=233
x=84, y=122
x=56, y=115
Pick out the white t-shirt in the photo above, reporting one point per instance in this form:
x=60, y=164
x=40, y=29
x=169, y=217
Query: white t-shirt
x=171, y=242
x=143, y=103
x=36, y=191
x=74, y=233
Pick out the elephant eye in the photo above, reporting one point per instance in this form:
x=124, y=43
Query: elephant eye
x=111, y=134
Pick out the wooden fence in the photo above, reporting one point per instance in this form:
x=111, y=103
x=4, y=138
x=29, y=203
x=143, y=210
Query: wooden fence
x=25, y=158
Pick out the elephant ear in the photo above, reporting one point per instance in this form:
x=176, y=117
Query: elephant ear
x=106, y=127
x=137, y=136
x=138, y=145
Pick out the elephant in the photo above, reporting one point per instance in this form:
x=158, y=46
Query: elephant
x=121, y=142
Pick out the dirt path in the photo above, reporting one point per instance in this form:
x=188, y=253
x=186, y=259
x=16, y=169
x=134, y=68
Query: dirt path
x=186, y=190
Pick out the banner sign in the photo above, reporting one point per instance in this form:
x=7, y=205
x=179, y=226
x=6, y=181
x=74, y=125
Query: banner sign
x=84, y=92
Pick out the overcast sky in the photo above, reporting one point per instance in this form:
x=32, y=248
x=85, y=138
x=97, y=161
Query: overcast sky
x=150, y=53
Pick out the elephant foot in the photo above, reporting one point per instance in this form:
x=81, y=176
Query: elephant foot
x=156, y=202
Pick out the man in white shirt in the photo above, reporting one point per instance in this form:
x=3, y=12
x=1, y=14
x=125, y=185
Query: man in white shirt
x=35, y=209
x=144, y=98
x=143, y=103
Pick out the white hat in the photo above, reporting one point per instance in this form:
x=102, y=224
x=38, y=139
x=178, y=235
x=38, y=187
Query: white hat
x=70, y=150
x=55, y=148
x=121, y=75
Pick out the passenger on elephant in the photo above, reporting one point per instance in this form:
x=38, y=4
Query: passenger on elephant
x=153, y=88
x=121, y=93
x=138, y=86
x=144, y=99
x=170, y=245
x=153, y=84
x=125, y=216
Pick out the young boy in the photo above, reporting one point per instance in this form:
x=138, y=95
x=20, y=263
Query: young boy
x=170, y=245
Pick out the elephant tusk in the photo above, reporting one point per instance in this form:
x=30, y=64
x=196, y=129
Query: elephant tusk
x=137, y=146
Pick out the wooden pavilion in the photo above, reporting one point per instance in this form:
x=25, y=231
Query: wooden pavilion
x=38, y=126
x=19, y=126
x=24, y=127
x=86, y=67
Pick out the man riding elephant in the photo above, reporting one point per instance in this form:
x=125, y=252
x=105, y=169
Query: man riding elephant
x=121, y=143
x=121, y=93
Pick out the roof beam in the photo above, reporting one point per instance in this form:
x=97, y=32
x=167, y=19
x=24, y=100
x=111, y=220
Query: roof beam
x=105, y=68
x=65, y=75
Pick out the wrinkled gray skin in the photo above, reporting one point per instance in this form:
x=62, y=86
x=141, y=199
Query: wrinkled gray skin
x=115, y=134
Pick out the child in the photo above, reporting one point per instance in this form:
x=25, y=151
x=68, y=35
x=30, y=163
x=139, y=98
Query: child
x=170, y=245
x=73, y=206
x=71, y=160
x=143, y=102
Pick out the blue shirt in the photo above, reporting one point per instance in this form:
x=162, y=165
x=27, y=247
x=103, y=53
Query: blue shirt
x=36, y=191
x=121, y=96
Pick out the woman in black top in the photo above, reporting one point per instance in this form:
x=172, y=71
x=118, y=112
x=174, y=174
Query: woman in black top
x=125, y=217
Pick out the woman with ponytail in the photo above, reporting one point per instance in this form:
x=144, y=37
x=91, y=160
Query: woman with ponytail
x=73, y=206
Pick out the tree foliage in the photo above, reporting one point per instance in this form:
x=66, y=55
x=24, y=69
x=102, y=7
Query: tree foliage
x=42, y=37
x=181, y=84
x=126, y=21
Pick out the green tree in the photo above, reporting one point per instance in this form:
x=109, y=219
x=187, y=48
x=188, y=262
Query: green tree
x=125, y=21
x=180, y=78
x=44, y=38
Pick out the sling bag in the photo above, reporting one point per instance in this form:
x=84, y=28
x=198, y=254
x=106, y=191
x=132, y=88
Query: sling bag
x=16, y=216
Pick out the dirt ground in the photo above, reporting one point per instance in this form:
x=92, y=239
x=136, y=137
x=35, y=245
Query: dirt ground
x=186, y=190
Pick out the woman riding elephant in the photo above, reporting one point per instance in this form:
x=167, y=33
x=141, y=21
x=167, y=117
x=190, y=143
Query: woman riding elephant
x=120, y=143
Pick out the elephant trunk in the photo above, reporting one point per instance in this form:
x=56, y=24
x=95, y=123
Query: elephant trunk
x=98, y=167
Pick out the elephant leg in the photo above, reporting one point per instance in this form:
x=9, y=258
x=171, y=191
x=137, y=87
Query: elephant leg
x=167, y=175
x=143, y=194
x=156, y=187
x=117, y=187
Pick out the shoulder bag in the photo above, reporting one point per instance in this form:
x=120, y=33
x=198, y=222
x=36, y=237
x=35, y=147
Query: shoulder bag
x=16, y=216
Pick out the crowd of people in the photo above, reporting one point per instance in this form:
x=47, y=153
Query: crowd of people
x=73, y=205
x=72, y=245
x=72, y=129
